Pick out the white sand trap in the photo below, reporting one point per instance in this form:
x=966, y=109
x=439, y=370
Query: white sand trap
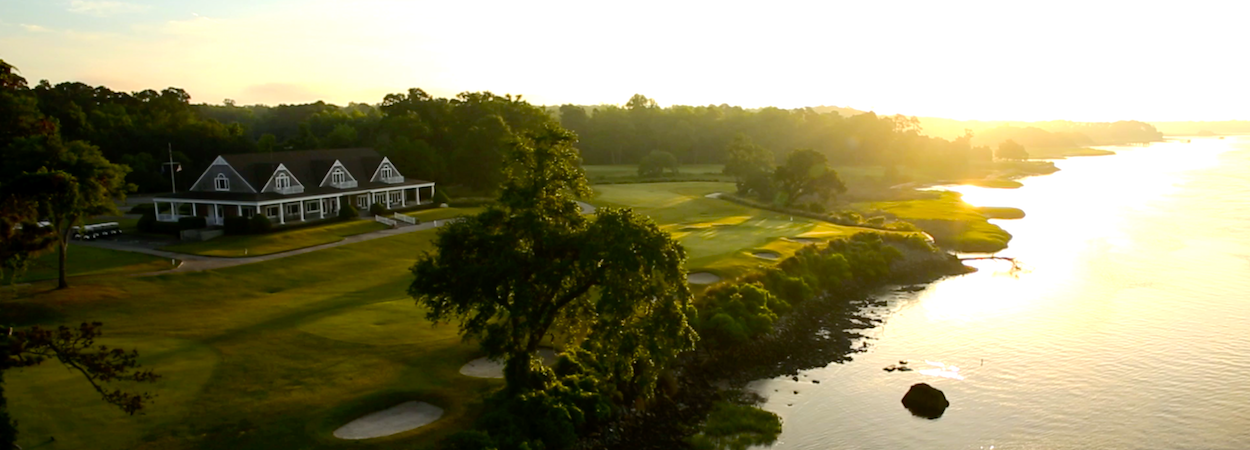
x=702, y=278
x=766, y=255
x=805, y=240
x=485, y=368
x=396, y=419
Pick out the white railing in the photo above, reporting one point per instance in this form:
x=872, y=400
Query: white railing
x=345, y=184
x=392, y=180
x=385, y=220
x=402, y=218
x=166, y=218
x=290, y=190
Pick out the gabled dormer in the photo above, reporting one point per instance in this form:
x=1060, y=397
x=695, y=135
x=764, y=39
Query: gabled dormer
x=339, y=177
x=220, y=176
x=283, y=182
x=386, y=173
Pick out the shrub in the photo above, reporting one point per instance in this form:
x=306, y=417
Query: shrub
x=348, y=212
x=191, y=223
x=260, y=224
x=731, y=426
x=656, y=163
x=147, y=223
x=235, y=225
x=377, y=209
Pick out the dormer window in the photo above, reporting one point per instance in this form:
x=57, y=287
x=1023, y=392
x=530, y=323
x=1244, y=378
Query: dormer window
x=386, y=172
x=221, y=182
x=338, y=176
x=282, y=181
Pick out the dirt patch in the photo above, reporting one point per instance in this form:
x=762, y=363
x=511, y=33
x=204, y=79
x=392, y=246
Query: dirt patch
x=766, y=255
x=396, y=419
x=487, y=368
x=702, y=278
x=803, y=240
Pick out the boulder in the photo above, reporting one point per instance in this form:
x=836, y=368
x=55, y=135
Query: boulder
x=925, y=401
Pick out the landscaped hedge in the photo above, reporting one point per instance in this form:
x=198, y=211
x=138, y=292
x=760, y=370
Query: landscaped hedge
x=236, y=225
x=259, y=224
x=348, y=212
x=192, y=223
x=377, y=209
x=441, y=197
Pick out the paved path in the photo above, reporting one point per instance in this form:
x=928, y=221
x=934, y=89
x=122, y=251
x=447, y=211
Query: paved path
x=196, y=263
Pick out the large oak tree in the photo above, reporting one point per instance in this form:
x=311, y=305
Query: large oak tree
x=533, y=266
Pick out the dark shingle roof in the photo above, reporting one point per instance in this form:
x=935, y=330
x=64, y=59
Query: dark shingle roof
x=308, y=166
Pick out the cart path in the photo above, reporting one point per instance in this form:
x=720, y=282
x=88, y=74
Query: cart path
x=196, y=263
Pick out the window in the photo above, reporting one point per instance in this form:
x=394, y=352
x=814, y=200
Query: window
x=271, y=211
x=313, y=206
x=221, y=182
x=338, y=176
x=386, y=172
x=292, y=208
x=282, y=181
x=362, y=201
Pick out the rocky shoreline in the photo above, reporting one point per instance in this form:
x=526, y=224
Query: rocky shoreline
x=813, y=335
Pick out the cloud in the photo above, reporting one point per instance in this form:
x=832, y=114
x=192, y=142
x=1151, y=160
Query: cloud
x=34, y=28
x=104, y=8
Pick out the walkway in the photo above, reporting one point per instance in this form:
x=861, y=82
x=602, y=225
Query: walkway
x=196, y=263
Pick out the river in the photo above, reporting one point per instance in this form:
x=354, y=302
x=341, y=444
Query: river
x=1129, y=327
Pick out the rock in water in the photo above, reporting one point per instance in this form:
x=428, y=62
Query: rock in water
x=925, y=401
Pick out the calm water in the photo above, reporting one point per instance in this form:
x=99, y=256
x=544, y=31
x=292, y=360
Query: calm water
x=1130, y=328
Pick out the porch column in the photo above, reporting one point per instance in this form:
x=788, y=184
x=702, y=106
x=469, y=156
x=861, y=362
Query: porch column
x=403, y=198
x=240, y=210
x=301, y=210
x=281, y=213
x=322, y=204
x=174, y=206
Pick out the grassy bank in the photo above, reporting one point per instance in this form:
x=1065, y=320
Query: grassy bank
x=84, y=261
x=268, y=355
x=276, y=242
x=430, y=215
x=953, y=223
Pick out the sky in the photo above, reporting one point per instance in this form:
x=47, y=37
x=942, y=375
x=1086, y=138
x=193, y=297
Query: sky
x=1084, y=60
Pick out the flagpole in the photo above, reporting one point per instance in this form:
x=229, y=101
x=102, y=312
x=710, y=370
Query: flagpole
x=172, y=184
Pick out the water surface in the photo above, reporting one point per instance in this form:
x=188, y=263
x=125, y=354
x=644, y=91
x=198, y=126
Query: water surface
x=1130, y=328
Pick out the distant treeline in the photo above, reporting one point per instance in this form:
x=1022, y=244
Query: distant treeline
x=454, y=140
x=1204, y=128
x=457, y=141
x=1049, y=134
x=701, y=134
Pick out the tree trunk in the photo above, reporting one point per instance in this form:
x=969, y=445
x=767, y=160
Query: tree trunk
x=62, y=247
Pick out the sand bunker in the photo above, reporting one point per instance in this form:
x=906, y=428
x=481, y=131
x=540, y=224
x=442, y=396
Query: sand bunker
x=485, y=368
x=702, y=278
x=766, y=255
x=396, y=419
x=804, y=240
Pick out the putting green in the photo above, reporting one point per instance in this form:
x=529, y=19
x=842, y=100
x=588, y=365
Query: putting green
x=397, y=322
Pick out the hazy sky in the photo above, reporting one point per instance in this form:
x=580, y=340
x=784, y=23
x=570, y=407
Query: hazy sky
x=1020, y=60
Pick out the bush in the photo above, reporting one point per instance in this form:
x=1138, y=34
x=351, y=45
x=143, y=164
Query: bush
x=377, y=209
x=235, y=225
x=191, y=223
x=441, y=197
x=147, y=223
x=260, y=224
x=654, y=164
x=348, y=212
x=143, y=208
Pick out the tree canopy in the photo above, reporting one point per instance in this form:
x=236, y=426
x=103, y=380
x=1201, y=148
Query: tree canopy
x=656, y=163
x=532, y=265
x=805, y=172
x=1009, y=149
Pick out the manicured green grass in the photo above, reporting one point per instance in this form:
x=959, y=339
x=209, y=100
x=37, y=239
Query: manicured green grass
x=276, y=242
x=82, y=260
x=445, y=213
x=628, y=173
x=269, y=355
x=719, y=236
x=952, y=222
